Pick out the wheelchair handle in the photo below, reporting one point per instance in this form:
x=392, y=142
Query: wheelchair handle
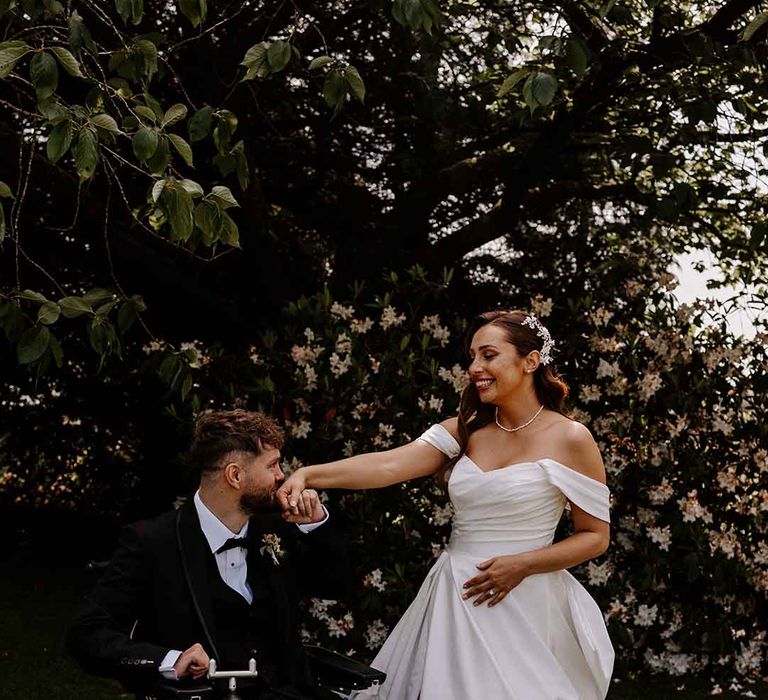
x=231, y=676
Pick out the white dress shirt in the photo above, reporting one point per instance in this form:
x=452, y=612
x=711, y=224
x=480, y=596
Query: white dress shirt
x=232, y=563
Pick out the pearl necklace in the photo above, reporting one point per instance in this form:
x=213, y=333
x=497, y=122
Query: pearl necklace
x=519, y=427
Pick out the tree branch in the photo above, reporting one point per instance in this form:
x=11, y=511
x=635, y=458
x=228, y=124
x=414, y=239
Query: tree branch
x=586, y=23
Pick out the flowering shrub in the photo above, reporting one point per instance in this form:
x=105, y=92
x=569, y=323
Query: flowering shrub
x=674, y=401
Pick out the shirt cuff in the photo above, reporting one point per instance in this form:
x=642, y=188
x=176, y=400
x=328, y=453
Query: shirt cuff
x=167, y=664
x=306, y=529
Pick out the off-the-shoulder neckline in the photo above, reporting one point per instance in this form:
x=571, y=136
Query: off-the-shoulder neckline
x=533, y=463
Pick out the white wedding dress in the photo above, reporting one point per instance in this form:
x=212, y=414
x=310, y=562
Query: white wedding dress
x=546, y=640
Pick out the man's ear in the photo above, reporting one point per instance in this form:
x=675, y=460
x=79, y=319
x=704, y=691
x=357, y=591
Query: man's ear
x=233, y=475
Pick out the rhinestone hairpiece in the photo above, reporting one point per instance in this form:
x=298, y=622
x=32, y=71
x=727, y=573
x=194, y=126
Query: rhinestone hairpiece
x=547, y=343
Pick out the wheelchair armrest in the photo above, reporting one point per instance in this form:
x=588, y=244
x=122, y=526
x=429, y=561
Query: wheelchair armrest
x=334, y=669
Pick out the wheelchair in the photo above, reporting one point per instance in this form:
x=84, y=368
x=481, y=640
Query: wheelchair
x=336, y=676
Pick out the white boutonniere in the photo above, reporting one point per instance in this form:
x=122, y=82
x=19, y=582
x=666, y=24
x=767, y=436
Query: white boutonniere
x=272, y=548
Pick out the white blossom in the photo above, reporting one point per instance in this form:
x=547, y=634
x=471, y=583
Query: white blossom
x=661, y=536
x=390, y=318
x=375, y=634
x=662, y=493
x=649, y=385
x=301, y=429
x=540, y=306
x=599, y=574
x=590, y=392
x=340, y=311
x=692, y=510
x=646, y=615
x=339, y=365
x=360, y=327
x=455, y=376
x=607, y=369
x=442, y=516
x=375, y=580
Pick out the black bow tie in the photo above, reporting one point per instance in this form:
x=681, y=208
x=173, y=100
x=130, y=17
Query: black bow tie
x=232, y=543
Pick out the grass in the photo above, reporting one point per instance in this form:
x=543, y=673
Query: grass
x=36, y=604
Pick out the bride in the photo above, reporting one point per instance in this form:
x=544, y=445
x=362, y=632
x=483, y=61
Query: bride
x=498, y=615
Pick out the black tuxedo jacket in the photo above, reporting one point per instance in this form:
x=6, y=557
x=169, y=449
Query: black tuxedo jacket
x=142, y=606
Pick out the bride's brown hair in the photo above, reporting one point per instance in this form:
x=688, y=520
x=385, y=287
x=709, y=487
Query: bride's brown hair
x=551, y=389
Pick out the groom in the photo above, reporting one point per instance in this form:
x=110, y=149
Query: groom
x=219, y=578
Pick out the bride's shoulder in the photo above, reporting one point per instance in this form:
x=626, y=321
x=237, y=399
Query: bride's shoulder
x=452, y=426
x=576, y=443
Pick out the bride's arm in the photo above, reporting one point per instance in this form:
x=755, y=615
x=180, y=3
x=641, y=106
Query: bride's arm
x=367, y=471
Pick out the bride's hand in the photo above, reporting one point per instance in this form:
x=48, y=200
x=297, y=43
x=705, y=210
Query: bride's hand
x=289, y=494
x=499, y=576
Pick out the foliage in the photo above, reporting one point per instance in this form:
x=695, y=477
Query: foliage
x=172, y=175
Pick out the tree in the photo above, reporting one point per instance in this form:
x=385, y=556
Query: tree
x=175, y=175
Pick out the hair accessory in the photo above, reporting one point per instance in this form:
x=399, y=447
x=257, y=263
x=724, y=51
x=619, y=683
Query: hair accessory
x=547, y=343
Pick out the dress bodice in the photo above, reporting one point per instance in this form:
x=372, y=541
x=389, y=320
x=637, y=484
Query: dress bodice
x=517, y=506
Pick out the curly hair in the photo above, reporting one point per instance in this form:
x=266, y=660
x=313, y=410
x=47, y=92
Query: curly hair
x=219, y=433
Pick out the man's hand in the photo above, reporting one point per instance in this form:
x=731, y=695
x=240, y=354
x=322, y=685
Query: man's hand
x=308, y=507
x=192, y=662
x=289, y=494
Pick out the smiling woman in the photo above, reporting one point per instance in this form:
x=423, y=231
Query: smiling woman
x=546, y=636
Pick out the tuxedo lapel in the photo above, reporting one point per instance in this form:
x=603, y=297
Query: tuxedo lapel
x=261, y=564
x=199, y=562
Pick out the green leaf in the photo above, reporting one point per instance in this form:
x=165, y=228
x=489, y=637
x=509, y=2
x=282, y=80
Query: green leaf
x=68, y=62
x=183, y=148
x=79, y=36
x=576, y=55
x=5, y=191
x=207, y=219
x=146, y=112
x=279, y=55
x=255, y=61
x=320, y=61
x=86, y=154
x=130, y=10
x=126, y=316
x=192, y=187
x=72, y=307
x=199, y=125
x=334, y=89
x=157, y=189
x=158, y=162
x=229, y=232
x=144, y=144
x=222, y=197
x=512, y=80
x=355, y=82
x=10, y=53
x=44, y=74
x=148, y=52
x=104, y=121
x=31, y=295
x=59, y=140
x=48, y=313
x=226, y=124
x=97, y=296
x=194, y=10
x=174, y=114
x=754, y=25
x=33, y=344
x=56, y=352
x=3, y=225
x=544, y=88
x=179, y=205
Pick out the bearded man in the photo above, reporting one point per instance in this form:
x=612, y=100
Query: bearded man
x=220, y=578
